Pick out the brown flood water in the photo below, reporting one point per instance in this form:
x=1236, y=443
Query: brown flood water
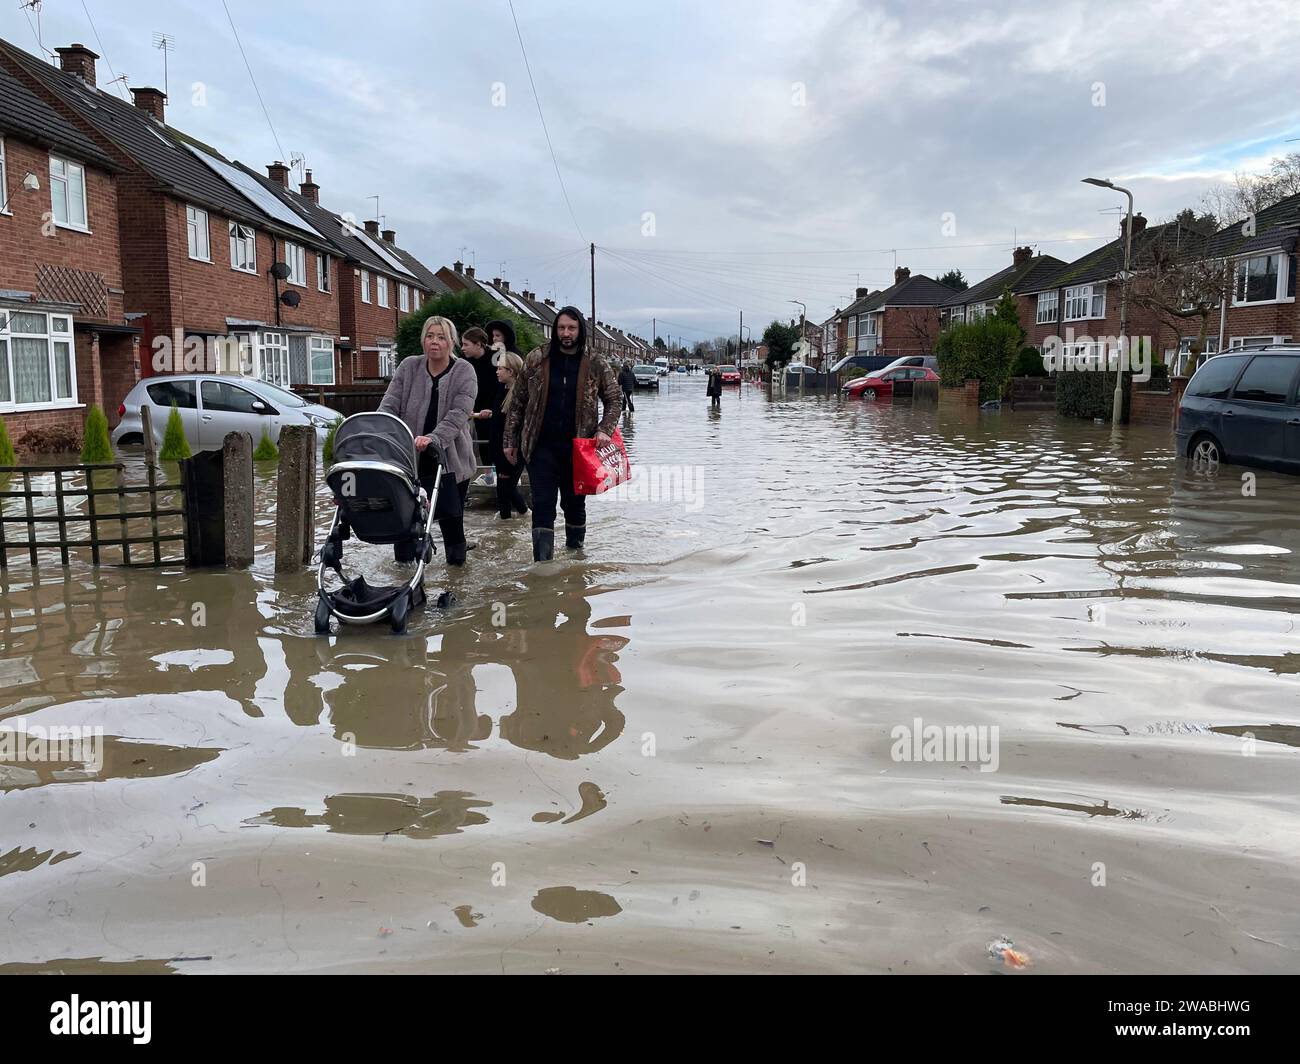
x=678, y=752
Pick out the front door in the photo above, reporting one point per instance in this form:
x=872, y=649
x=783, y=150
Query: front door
x=298, y=373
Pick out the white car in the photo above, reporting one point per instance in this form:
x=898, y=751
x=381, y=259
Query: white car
x=212, y=405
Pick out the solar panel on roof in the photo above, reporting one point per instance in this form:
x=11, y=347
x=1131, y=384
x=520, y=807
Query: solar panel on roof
x=364, y=237
x=263, y=198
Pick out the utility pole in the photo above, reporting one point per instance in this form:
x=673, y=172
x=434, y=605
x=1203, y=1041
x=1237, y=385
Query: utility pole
x=593, y=289
x=654, y=332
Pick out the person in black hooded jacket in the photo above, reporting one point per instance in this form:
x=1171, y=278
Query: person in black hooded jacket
x=474, y=345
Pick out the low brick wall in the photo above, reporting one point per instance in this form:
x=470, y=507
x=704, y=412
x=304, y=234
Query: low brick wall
x=967, y=395
x=925, y=391
x=19, y=425
x=1151, y=408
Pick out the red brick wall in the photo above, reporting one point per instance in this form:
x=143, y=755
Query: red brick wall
x=907, y=331
x=23, y=246
x=366, y=323
x=20, y=424
x=1140, y=323
x=1151, y=408
x=1268, y=319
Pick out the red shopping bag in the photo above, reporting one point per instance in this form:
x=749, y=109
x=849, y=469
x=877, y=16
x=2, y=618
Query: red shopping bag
x=597, y=469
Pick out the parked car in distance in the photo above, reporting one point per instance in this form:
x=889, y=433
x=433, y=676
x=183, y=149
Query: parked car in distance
x=661, y=365
x=212, y=405
x=1240, y=406
x=916, y=361
x=730, y=374
x=880, y=385
x=646, y=376
x=681, y=369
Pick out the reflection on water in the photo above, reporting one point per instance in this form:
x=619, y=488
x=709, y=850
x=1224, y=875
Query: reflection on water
x=737, y=665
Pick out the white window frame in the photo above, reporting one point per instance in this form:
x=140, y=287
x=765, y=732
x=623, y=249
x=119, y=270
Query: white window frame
x=365, y=286
x=976, y=311
x=295, y=257
x=50, y=337
x=1046, y=307
x=4, y=181
x=273, y=358
x=381, y=290
x=193, y=230
x=419, y=299
x=403, y=298
x=237, y=232
x=1279, y=291
x=871, y=325
x=322, y=272
x=64, y=181
x=1088, y=298
x=1242, y=341
x=319, y=346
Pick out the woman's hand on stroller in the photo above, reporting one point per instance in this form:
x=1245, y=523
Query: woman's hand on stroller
x=421, y=442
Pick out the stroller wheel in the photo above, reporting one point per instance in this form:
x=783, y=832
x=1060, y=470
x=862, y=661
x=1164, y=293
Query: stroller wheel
x=322, y=618
x=397, y=614
x=446, y=600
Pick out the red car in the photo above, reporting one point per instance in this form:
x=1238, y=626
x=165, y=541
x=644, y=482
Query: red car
x=880, y=385
x=730, y=375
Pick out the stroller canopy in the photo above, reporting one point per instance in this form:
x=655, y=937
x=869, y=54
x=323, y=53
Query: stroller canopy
x=376, y=437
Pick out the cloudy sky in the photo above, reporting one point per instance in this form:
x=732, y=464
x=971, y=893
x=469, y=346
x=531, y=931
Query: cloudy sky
x=723, y=156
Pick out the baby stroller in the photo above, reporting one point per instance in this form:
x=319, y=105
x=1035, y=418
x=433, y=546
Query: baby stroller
x=378, y=498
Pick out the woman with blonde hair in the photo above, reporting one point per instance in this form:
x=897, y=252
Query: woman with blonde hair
x=434, y=395
x=509, y=498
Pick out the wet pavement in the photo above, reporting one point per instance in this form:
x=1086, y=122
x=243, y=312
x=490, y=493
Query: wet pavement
x=712, y=742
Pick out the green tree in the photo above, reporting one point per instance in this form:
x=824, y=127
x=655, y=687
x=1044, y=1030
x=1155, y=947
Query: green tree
x=463, y=309
x=175, y=446
x=95, y=445
x=1007, y=310
x=327, y=451
x=266, y=450
x=7, y=456
x=780, y=339
x=984, y=350
x=954, y=279
x=659, y=343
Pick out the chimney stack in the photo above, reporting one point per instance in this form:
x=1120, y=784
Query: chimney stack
x=861, y=292
x=458, y=266
x=901, y=274
x=79, y=60
x=279, y=173
x=549, y=302
x=496, y=282
x=1021, y=255
x=1139, y=223
x=372, y=228
x=310, y=190
x=505, y=286
x=153, y=101
x=390, y=237
x=469, y=271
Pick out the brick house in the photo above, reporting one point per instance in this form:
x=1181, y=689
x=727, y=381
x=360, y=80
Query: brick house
x=64, y=341
x=1260, y=289
x=1027, y=272
x=1080, y=303
x=199, y=241
x=900, y=320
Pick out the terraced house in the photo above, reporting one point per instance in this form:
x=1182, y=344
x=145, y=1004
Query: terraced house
x=64, y=340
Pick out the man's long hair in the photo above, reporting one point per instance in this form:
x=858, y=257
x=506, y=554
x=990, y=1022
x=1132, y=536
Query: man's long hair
x=572, y=312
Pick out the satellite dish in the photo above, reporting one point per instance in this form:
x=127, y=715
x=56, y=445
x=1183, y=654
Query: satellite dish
x=290, y=299
x=280, y=271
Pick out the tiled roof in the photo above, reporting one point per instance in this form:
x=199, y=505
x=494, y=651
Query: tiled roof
x=1107, y=262
x=918, y=291
x=1275, y=226
x=990, y=289
x=23, y=114
x=140, y=136
x=428, y=281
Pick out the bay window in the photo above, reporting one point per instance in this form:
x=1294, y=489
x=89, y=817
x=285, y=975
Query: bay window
x=1264, y=279
x=1085, y=301
x=274, y=352
x=37, y=360
x=68, y=193
x=1047, y=304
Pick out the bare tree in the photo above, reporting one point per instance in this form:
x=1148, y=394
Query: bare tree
x=1183, y=289
x=1248, y=194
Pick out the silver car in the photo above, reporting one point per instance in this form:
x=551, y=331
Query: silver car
x=212, y=405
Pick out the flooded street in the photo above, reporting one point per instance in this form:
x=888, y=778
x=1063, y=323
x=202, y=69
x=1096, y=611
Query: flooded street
x=703, y=744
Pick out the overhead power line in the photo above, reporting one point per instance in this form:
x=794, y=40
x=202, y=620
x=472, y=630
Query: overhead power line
x=253, y=79
x=104, y=52
x=537, y=100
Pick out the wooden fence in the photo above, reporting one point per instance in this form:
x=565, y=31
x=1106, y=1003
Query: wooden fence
x=96, y=513
x=347, y=399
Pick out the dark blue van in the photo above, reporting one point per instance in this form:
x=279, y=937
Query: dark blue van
x=1240, y=407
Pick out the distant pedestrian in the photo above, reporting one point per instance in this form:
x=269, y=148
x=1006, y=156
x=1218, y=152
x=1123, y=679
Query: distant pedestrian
x=566, y=392
x=714, y=389
x=509, y=498
x=627, y=381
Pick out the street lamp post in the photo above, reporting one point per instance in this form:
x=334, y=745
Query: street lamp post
x=1117, y=409
x=803, y=339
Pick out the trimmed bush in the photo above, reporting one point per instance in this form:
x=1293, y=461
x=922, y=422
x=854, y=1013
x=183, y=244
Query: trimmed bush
x=984, y=350
x=175, y=446
x=852, y=373
x=7, y=456
x=266, y=450
x=1029, y=363
x=327, y=451
x=1089, y=393
x=95, y=445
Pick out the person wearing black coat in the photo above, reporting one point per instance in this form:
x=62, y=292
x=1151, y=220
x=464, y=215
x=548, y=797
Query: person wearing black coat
x=627, y=381
x=714, y=389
